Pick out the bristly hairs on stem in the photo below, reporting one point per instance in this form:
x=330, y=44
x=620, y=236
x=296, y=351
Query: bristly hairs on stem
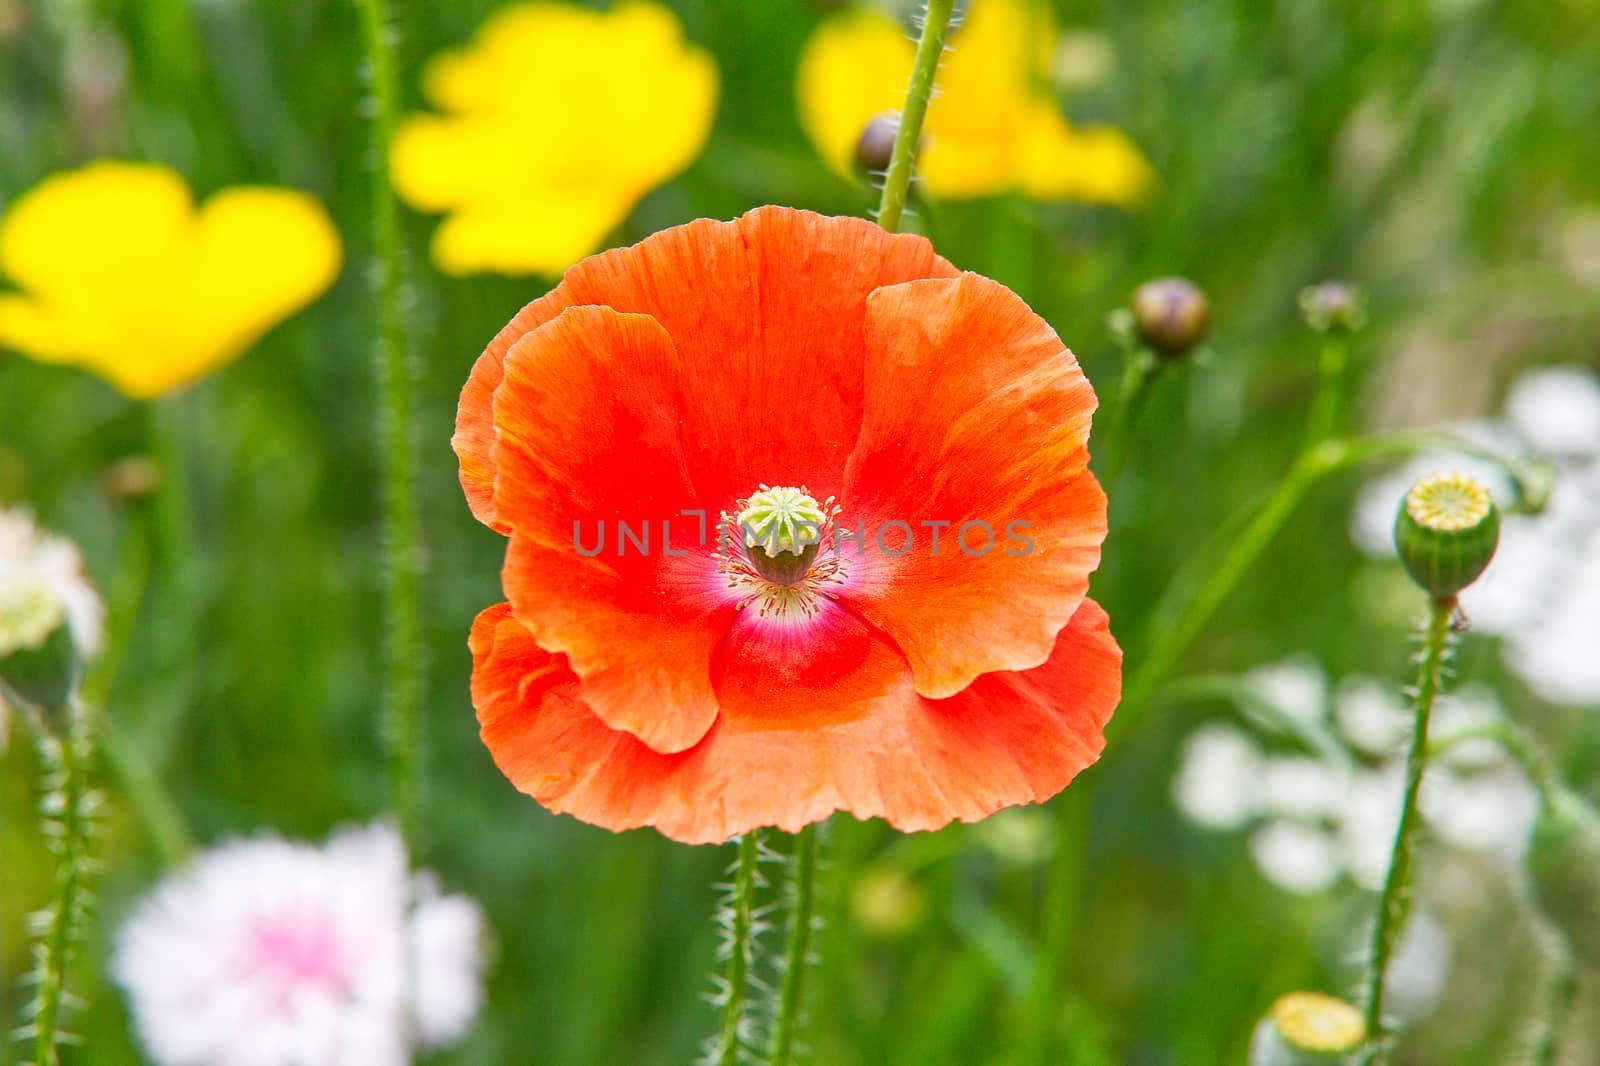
x=1395, y=899
x=70, y=811
x=739, y=929
x=785, y=1009
x=936, y=18
x=396, y=373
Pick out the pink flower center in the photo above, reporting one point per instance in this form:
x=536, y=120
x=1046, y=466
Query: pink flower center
x=298, y=950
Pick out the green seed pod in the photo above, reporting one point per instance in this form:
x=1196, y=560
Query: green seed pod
x=1307, y=1029
x=1172, y=315
x=1447, y=530
x=1564, y=864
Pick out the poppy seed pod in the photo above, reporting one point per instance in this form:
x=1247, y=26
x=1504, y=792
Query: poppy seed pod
x=1307, y=1028
x=1564, y=863
x=1172, y=315
x=1333, y=307
x=876, y=145
x=1446, y=532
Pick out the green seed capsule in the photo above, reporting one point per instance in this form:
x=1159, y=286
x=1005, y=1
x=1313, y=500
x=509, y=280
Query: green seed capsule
x=1447, y=530
x=1307, y=1029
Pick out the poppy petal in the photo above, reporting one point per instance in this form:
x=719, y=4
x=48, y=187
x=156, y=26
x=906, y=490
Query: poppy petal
x=586, y=438
x=1009, y=738
x=775, y=397
x=976, y=416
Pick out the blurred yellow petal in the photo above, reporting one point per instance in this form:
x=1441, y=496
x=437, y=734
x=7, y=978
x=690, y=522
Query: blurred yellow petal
x=122, y=276
x=557, y=120
x=991, y=128
x=539, y=237
x=855, y=66
x=1096, y=164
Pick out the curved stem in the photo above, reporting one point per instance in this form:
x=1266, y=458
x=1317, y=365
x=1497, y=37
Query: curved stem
x=741, y=949
x=1211, y=573
x=930, y=46
x=797, y=946
x=1393, y=901
x=1563, y=991
x=402, y=646
x=1138, y=370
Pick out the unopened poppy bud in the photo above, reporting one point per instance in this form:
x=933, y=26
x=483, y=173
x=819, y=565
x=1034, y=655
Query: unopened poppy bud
x=1172, y=315
x=1446, y=531
x=1307, y=1029
x=1333, y=307
x=1564, y=864
x=876, y=145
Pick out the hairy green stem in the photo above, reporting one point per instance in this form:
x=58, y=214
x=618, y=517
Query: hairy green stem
x=741, y=949
x=64, y=760
x=797, y=946
x=930, y=47
x=402, y=646
x=1393, y=900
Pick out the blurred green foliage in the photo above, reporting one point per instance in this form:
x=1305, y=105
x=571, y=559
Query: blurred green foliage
x=1440, y=153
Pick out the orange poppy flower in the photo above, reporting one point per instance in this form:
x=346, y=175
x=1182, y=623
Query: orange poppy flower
x=908, y=638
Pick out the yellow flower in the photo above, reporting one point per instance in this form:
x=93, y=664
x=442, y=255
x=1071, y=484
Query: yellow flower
x=556, y=121
x=119, y=273
x=993, y=125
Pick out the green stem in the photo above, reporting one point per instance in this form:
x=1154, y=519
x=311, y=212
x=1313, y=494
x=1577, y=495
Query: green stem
x=402, y=646
x=741, y=949
x=1563, y=992
x=1329, y=403
x=930, y=46
x=797, y=946
x=1392, y=902
x=64, y=761
x=1139, y=368
x=1214, y=571
x=1063, y=879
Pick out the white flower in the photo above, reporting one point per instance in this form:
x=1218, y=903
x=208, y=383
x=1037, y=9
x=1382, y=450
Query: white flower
x=267, y=952
x=1303, y=787
x=42, y=587
x=1370, y=715
x=1218, y=783
x=1557, y=410
x=1490, y=812
x=1296, y=686
x=1296, y=857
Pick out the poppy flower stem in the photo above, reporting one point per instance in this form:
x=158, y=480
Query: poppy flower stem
x=738, y=921
x=67, y=808
x=396, y=374
x=930, y=47
x=1394, y=900
x=797, y=946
